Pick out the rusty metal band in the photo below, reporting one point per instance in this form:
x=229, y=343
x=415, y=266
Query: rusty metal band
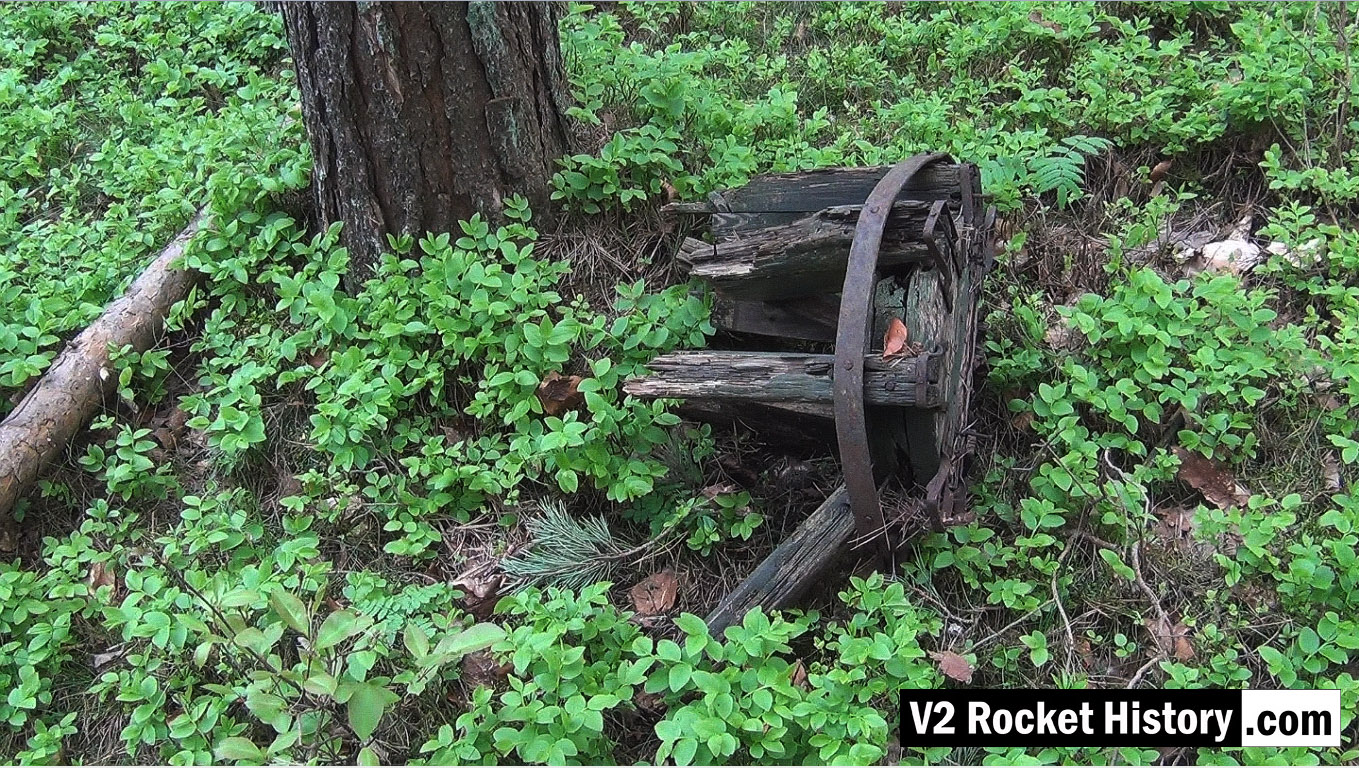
x=851, y=344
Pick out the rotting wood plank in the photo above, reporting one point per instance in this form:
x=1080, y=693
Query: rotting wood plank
x=804, y=426
x=812, y=318
x=785, y=575
x=778, y=377
x=778, y=198
x=803, y=257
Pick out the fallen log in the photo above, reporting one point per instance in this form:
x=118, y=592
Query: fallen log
x=792, y=566
x=74, y=387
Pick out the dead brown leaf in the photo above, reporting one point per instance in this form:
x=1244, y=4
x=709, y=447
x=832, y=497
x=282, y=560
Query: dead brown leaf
x=480, y=668
x=1216, y=484
x=655, y=595
x=1330, y=472
x=559, y=393
x=953, y=666
x=1173, y=524
x=102, y=575
x=483, y=591
x=1184, y=651
x=1160, y=170
x=894, y=341
x=1086, y=653
x=1037, y=18
x=717, y=489
x=1171, y=640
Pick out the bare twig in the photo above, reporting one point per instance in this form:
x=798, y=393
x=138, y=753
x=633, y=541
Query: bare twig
x=1142, y=672
x=1056, y=598
x=1009, y=626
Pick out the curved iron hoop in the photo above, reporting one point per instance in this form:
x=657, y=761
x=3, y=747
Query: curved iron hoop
x=851, y=344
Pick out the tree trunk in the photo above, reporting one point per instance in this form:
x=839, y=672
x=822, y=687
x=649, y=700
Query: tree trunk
x=421, y=114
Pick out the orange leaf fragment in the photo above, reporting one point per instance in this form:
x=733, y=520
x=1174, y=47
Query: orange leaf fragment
x=894, y=341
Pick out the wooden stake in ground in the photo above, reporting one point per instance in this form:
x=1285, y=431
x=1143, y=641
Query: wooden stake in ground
x=72, y=390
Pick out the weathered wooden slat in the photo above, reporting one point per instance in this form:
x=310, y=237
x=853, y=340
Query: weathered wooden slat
x=813, y=190
x=812, y=318
x=790, y=426
x=792, y=566
x=805, y=257
x=777, y=377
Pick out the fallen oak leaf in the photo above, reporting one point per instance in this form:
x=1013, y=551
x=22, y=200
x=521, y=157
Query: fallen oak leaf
x=1205, y=476
x=559, y=393
x=655, y=595
x=953, y=666
x=894, y=341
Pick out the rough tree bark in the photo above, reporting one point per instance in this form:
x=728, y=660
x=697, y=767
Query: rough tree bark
x=420, y=114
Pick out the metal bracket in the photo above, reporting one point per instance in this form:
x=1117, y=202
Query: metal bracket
x=851, y=344
x=926, y=372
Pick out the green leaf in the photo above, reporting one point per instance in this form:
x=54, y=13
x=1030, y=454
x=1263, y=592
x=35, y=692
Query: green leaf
x=691, y=624
x=368, y=757
x=416, y=640
x=1309, y=641
x=291, y=609
x=475, y=638
x=685, y=750
x=679, y=676
x=338, y=627
x=1121, y=568
x=366, y=706
x=238, y=748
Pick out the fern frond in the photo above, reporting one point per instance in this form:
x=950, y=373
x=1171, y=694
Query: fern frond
x=1063, y=171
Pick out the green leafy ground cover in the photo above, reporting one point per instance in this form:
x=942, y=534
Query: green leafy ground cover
x=256, y=556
